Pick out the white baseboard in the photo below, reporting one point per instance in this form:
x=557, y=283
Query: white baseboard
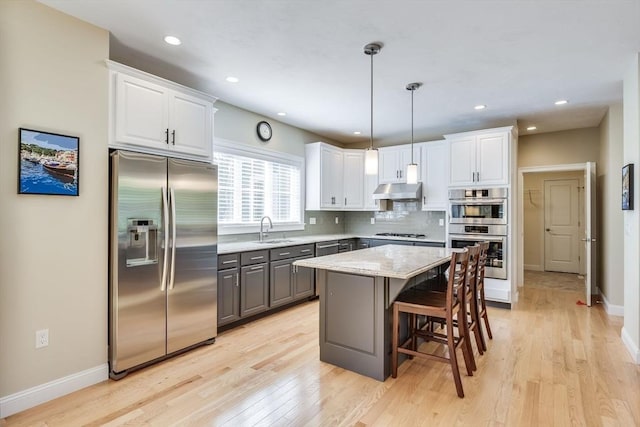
x=533, y=267
x=34, y=396
x=632, y=347
x=612, y=310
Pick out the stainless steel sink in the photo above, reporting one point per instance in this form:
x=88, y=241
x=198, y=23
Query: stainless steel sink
x=271, y=241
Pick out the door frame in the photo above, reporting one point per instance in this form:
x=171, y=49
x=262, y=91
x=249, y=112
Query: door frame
x=582, y=167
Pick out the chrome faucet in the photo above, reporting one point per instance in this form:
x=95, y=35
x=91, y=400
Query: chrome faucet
x=262, y=225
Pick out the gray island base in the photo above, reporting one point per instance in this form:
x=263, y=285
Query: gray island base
x=357, y=290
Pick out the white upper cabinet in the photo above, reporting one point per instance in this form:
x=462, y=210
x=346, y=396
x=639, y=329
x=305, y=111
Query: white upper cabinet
x=324, y=173
x=393, y=161
x=353, y=183
x=435, y=172
x=335, y=179
x=480, y=158
x=154, y=115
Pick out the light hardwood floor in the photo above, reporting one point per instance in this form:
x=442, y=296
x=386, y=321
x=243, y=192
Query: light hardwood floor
x=551, y=363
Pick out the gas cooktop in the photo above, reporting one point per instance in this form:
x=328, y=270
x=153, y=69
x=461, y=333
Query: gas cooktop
x=411, y=235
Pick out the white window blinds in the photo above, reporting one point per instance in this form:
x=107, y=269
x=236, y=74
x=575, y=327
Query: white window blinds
x=251, y=186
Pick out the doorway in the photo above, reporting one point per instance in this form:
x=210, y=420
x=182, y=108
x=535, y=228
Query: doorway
x=556, y=223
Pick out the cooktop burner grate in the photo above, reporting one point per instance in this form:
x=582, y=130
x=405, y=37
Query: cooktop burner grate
x=412, y=235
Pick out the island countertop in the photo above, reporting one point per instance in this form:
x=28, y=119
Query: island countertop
x=394, y=261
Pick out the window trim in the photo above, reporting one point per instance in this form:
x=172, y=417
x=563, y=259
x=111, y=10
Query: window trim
x=227, y=146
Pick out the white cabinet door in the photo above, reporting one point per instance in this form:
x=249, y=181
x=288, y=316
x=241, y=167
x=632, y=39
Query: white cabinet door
x=191, y=124
x=353, y=182
x=388, y=161
x=435, y=161
x=462, y=161
x=393, y=163
x=370, y=185
x=141, y=112
x=492, y=161
x=331, y=177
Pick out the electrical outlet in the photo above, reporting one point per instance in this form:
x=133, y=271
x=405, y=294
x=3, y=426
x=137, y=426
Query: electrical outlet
x=312, y=221
x=441, y=222
x=337, y=220
x=373, y=220
x=42, y=338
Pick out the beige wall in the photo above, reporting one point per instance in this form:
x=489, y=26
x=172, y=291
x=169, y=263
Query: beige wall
x=554, y=148
x=53, y=251
x=610, y=219
x=533, y=212
x=631, y=154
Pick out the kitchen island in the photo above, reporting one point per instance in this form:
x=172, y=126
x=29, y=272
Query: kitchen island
x=357, y=290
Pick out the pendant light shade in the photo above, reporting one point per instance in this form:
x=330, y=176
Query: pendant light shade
x=371, y=154
x=412, y=168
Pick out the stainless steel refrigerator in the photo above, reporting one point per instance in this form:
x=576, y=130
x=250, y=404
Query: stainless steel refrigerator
x=163, y=258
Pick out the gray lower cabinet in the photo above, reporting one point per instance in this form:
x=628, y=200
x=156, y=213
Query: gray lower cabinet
x=304, y=280
x=280, y=282
x=228, y=296
x=228, y=288
x=430, y=244
x=254, y=282
x=288, y=283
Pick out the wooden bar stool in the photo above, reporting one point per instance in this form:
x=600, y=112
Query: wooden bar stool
x=446, y=305
x=482, y=309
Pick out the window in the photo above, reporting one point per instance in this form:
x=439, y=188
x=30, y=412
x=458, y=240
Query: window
x=253, y=183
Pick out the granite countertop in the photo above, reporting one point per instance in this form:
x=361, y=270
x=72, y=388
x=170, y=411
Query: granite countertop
x=270, y=243
x=400, y=262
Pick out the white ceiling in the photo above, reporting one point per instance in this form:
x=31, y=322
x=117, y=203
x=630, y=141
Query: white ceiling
x=306, y=58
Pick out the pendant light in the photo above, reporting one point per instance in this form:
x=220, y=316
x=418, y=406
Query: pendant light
x=371, y=154
x=412, y=168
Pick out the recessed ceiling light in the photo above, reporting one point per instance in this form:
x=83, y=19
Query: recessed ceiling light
x=173, y=40
x=282, y=114
x=480, y=107
x=561, y=102
x=532, y=128
x=357, y=132
x=232, y=79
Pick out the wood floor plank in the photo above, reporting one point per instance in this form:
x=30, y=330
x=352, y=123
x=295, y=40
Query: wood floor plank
x=551, y=362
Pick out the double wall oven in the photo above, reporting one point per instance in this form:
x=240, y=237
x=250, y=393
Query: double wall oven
x=478, y=215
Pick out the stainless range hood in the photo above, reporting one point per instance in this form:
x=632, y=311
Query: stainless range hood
x=398, y=192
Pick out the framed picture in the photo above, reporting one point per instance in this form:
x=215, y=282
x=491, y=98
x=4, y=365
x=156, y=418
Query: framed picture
x=627, y=187
x=48, y=163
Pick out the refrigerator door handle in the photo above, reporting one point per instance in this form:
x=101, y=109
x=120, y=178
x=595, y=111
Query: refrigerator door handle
x=165, y=220
x=172, y=201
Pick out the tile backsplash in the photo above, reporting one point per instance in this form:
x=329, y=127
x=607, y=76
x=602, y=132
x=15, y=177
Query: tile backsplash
x=404, y=218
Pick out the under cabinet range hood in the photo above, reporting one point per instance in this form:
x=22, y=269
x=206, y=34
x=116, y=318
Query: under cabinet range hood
x=398, y=192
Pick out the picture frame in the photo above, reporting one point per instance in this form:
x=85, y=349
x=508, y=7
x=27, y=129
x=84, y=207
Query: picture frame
x=627, y=187
x=48, y=163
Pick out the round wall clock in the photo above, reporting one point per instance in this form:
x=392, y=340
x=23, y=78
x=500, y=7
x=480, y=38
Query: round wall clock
x=264, y=131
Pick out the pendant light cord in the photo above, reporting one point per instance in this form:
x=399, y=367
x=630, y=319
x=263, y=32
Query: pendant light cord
x=412, y=126
x=371, y=132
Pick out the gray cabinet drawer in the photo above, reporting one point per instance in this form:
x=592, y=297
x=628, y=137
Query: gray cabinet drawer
x=291, y=252
x=227, y=261
x=254, y=257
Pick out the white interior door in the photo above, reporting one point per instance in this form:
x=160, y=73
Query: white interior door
x=562, y=226
x=590, y=229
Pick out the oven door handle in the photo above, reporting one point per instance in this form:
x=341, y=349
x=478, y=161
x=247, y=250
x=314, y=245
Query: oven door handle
x=474, y=237
x=477, y=202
